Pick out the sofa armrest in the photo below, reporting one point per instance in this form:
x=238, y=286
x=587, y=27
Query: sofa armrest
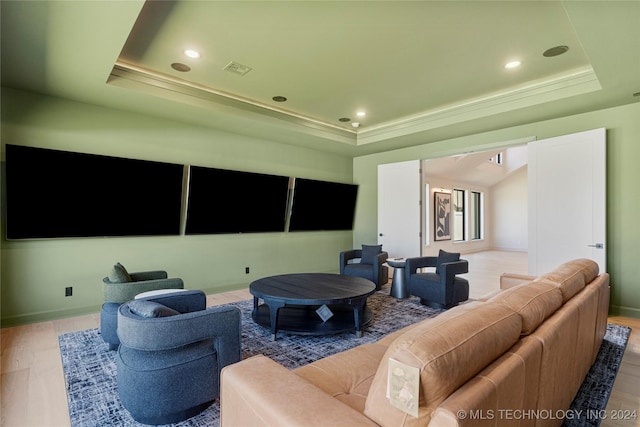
x=260, y=392
x=508, y=280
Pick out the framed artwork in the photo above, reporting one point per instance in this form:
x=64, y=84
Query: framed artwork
x=442, y=216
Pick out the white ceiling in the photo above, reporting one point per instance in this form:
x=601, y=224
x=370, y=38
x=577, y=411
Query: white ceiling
x=478, y=169
x=422, y=70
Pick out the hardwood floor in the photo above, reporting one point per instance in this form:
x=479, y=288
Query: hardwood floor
x=32, y=389
x=486, y=267
x=624, y=402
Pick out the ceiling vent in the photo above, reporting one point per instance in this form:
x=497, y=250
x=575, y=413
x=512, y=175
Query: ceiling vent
x=236, y=68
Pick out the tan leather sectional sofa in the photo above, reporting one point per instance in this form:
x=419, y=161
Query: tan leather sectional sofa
x=516, y=358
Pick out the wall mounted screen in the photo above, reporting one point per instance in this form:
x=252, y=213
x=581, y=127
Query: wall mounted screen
x=225, y=201
x=321, y=205
x=53, y=193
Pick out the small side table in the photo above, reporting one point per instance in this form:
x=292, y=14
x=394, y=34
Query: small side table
x=398, y=284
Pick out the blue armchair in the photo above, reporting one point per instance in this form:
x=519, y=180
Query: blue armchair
x=172, y=349
x=442, y=288
x=367, y=263
x=121, y=286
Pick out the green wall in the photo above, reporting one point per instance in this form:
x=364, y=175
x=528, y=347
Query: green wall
x=623, y=194
x=34, y=273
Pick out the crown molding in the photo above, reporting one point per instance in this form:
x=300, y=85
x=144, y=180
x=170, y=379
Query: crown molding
x=131, y=77
x=576, y=83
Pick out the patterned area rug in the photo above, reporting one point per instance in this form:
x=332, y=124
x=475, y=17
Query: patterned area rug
x=587, y=408
x=90, y=368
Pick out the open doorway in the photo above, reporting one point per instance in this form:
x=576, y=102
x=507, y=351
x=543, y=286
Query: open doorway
x=486, y=194
x=550, y=203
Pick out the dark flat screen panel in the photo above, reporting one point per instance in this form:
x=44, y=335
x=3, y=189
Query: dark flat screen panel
x=53, y=193
x=226, y=202
x=321, y=205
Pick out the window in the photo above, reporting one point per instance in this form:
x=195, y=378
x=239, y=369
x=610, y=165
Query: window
x=467, y=215
x=427, y=216
x=497, y=159
x=475, y=215
x=459, y=215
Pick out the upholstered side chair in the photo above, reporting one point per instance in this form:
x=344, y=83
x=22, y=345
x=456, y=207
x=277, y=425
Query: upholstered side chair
x=172, y=349
x=121, y=286
x=367, y=263
x=441, y=288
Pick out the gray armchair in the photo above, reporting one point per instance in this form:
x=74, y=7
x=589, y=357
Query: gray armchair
x=121, y=286
x=172, y=349
x=367, y=263
x=442, y=288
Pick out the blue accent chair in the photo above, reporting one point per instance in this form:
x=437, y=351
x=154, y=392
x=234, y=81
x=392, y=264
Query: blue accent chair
x=117, y=292
x=172, y=349
x=367, y=263
x=441, y=288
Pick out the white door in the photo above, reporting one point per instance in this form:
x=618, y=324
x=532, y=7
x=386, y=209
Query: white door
x=567, y=195
x=399, y=208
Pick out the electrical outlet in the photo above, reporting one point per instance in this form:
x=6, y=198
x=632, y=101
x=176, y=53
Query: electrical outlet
x=246, y=270
x=68, y=291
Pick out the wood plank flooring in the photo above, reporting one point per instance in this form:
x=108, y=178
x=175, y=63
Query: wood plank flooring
x=32, y=388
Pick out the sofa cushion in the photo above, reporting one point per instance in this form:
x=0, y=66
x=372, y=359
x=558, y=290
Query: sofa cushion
x=571, y=276
x=119, y=274
x=369, y=253
x=448, y=350
x=534, y=302
x=146, y=308
x=589, y=268
x=444, y=257
x=346, y=376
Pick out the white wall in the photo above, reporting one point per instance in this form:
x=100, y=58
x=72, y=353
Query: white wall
x=447, y=186
x=508, y=223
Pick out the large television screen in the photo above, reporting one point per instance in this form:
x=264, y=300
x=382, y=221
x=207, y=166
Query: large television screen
x=52, y=193
x=227, y=202
x=322, y=205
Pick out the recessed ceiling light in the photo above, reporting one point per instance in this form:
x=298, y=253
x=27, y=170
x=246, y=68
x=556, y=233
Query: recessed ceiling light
x=555, y=51
x=513, y=64
x=192, y=53
x=344, y=119
x=279, y=98
x=361, y=113
x=636, y=94
x=178, y=66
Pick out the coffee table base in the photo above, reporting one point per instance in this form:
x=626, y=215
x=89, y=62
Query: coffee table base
x=303, y=319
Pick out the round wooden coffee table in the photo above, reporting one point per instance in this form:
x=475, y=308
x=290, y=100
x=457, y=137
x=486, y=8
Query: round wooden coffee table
x=312, y=303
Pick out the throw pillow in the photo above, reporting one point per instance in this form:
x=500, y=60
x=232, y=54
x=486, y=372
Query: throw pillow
x=146, y=308
x=369, y=253
x=444, y=256
x=119, y=274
